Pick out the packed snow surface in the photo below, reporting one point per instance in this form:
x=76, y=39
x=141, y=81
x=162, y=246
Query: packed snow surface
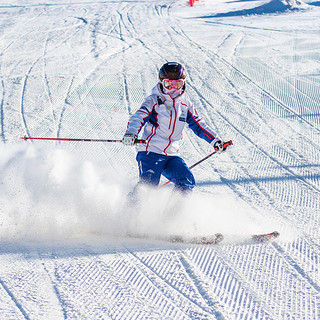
x=79, y=69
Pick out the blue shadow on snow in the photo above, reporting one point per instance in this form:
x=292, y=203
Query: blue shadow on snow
x=274, y=6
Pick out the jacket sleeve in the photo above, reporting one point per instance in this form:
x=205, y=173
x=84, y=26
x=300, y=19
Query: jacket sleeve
x=141, y=116
x=198, y=125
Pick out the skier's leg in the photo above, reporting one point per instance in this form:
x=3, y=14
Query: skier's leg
x=177, y=171
x=150, y=168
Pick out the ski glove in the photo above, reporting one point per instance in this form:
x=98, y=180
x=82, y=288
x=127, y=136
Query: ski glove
x=129, y=139
x=218, y=146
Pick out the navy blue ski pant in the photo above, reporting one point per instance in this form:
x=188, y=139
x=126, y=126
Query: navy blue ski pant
x=152, y=165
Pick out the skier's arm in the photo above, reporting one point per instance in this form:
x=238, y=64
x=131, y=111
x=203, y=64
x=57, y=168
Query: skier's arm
x=140, y=117
x=198, y=125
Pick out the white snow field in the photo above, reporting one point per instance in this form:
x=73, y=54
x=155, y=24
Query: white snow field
x=79, y=69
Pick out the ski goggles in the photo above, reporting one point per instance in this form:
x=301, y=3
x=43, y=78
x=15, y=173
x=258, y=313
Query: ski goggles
x=173, y=84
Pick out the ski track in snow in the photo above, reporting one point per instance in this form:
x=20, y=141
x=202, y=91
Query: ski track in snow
x=84, y=68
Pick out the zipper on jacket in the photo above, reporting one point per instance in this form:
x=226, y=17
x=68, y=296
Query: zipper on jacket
x=170, y=119
x=174, y=125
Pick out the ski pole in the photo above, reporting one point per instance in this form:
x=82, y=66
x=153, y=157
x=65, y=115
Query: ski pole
x=82, y=140
x=225, y=145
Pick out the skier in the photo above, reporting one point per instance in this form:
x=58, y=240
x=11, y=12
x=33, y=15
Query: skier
x=163, y=116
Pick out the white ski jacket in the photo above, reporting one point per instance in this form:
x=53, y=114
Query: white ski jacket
x=163, y=120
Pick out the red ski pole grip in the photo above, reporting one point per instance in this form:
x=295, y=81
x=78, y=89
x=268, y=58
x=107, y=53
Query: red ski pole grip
x=227, y=144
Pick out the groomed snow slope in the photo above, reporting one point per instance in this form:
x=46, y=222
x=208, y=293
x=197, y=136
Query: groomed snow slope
x=78, y=69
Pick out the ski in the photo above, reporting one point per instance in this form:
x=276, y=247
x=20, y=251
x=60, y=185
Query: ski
x=218, y=237
x=208, y=239
x=265, y=237
x=212, y=239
